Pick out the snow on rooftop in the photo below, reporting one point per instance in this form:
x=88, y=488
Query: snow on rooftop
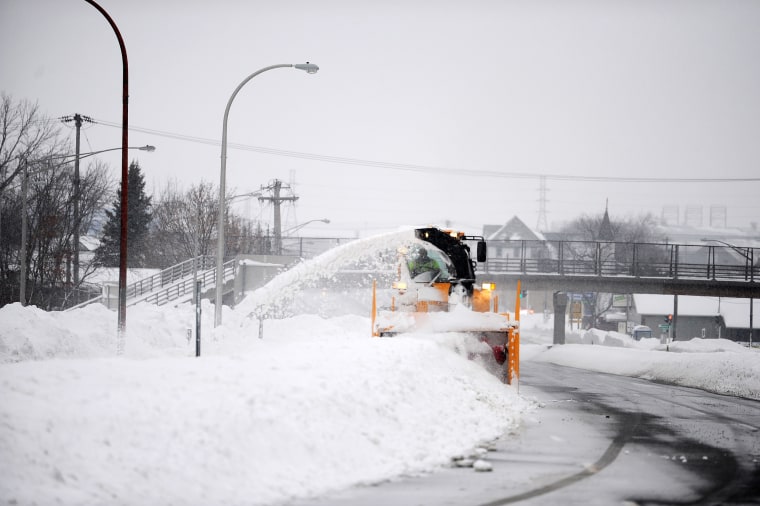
x=655, y=304
x=734, y=311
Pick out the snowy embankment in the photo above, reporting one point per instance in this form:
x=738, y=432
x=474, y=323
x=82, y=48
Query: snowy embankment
x=316, y=405
x=714, y=365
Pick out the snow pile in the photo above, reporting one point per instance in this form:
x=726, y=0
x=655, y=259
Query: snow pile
x=317, y=405
x=714, y=365
x=28, y=333
x=697, y=345
x=609, y=338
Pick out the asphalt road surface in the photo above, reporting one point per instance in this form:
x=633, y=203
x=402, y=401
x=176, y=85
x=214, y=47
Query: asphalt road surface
x=599, y=439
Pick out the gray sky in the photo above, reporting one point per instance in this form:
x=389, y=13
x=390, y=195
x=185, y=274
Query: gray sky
x=481, y=88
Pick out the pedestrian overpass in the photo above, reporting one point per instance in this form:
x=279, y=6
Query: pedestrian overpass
x=558, y=267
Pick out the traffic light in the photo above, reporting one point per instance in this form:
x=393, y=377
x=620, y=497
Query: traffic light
x=669, y=318
x=523, y=294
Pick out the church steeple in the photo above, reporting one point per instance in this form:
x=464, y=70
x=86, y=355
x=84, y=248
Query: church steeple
x=605, y=229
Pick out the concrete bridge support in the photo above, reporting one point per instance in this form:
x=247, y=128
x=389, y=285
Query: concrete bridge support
x=560, y=308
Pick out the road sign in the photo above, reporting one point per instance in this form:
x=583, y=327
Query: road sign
x=664, y=326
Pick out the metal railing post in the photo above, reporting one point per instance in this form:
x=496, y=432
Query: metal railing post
x=675, y=274
x=635, y=261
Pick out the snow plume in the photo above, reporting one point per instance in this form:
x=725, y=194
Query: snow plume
x=272, y=299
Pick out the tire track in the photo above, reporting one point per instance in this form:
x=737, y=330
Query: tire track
x=625, y=431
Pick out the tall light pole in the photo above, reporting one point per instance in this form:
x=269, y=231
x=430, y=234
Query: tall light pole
x=122, y=318
x=749, y=257
x=310, y=68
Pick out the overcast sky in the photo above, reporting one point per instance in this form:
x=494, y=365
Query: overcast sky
x=450, y=97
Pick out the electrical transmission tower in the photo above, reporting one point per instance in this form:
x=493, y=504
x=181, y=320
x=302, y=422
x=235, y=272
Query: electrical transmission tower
x=541, y=224
x=275, y=187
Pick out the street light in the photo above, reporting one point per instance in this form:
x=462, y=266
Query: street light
x=749, y=257
x=309, y=68
x=24, y=226
x=243, y=196
x=299, y=227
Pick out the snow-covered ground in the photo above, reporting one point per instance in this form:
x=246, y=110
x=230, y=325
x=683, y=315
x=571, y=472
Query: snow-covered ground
x=714, y=365
x=313, y=405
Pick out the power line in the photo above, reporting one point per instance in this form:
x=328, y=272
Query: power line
x=428, y=169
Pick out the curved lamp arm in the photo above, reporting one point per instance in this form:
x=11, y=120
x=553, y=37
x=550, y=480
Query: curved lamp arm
x=309, y=68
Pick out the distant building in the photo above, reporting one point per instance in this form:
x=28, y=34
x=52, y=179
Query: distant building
x=684, y=234
x=510, y=244
x=605, y=228
x=506, y=241
x=87, y=246
x=708, y=317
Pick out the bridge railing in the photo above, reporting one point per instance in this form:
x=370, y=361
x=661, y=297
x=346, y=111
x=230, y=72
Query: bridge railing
x=185, y=285
x=168, y=276
x=594, y=258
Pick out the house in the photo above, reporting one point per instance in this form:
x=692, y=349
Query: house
x=510, y=244
x=507, y=242
x=87, y=246
x=708, y=317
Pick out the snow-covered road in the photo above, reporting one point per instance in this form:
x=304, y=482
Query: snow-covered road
x=599, y=439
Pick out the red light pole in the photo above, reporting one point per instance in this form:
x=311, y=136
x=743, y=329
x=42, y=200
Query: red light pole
x=122, y=322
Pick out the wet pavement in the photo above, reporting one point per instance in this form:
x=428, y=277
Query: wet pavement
x=599, y=439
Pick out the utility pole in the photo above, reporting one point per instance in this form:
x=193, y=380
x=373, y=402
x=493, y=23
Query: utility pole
x=24, y=225
x=77, y=119
x=275, y=188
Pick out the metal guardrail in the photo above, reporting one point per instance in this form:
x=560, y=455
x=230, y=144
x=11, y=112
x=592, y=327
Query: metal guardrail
x=170, y=281
x=586, y=258
x=184, y=283
x=169, y=276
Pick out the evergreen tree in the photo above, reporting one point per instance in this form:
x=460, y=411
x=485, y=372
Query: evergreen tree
x=139, y=216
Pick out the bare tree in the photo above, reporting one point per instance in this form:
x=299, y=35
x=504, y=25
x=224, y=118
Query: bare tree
x=32, y=150
x=632, y=229
x=242, y=237
x=96, y=188
x=25, y=135
x=184, y=223
x=25, y=138
x=185, y=226
x=50, y=231
x=589, y=247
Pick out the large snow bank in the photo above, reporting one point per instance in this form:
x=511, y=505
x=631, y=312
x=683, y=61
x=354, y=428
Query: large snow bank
x=316, y=405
